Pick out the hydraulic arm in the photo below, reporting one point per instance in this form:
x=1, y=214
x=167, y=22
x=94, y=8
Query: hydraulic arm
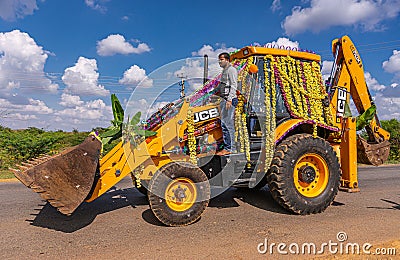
x=347, y=77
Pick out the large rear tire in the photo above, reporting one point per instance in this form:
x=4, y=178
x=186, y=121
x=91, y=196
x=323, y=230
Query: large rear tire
x=305, y=173
x=179, y=192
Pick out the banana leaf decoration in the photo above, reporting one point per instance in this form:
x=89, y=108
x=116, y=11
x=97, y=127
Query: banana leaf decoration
x=133, y=130
x=366, y=117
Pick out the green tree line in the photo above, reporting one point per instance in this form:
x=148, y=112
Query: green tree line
x=393, y=127
x=21, y=145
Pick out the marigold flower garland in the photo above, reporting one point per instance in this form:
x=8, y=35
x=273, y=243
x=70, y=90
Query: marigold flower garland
x=241, y=132
x=303, y=98
x=191, y=142
x=270, y=111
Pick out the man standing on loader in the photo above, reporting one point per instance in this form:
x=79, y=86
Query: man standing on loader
x=228, y=88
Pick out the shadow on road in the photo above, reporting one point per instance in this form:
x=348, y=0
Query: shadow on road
x=49, y=217
x=393, y=205
x=149, y=217
x=261, y=199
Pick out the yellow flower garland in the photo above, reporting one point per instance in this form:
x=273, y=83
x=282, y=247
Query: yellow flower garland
x=270, y=111
x=191, y=141
x=296, y=94
x=241, y=132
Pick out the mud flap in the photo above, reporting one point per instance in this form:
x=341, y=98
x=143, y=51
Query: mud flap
x=372, y=154
x=64, y=180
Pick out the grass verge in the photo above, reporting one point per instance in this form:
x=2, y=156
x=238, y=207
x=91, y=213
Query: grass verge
x=6, y=174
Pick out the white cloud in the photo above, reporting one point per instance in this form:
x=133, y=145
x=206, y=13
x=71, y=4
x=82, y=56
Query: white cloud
x=326, y=69
x=23, y=117
x=83, y=116
x=116, y=44
x=91, y=110
x=5, y=104
x=372, y=83
x=283, y=42
x=37, y=106
x=82, y=79
x=211, y=52
x=388, y=107
x=70, y=100
x=393, y=64
x=193, y=69
x=136, y=76
x=276, y=5
x=22, y=64
x=323, y=14
x=33, y=106
x=97, y=5
x=10, y=10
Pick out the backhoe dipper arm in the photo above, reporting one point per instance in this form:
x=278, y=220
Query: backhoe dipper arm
x=348, y=73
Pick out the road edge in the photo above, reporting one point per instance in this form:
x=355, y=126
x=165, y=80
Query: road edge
x=9, y=180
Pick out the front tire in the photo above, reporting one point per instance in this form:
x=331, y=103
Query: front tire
x=179, y=192
x=305, y=174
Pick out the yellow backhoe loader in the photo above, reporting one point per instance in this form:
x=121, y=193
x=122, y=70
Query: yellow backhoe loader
x=293, y=131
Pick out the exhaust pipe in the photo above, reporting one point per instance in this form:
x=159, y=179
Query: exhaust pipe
x=205, y=75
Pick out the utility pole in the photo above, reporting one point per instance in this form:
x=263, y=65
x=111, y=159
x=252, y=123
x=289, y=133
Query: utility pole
x=182, y=84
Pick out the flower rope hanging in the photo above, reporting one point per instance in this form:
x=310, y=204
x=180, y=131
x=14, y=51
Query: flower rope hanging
x=191, y=141
x=241, y=132
x=302, y=89
x=270, y=111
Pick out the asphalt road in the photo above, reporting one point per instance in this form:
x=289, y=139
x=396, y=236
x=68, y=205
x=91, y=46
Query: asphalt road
x=120, y=224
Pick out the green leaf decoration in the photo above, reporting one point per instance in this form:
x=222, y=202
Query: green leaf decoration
x=145, y=133
x=117, y=122
x=365, y=118
x=132, y=129
x=136, y=118
x=117, y=109
x=105, y=141
x=111, y=131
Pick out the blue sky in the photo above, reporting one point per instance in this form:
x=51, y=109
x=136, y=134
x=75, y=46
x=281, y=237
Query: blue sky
x=61, y=60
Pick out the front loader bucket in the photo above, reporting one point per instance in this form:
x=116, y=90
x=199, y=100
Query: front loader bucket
x=373, y=154
x=64, y=180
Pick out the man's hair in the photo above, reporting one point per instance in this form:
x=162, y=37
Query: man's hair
x=225, y=55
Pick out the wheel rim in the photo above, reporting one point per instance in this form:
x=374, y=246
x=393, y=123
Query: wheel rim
x=311, y=175
x=180, y=194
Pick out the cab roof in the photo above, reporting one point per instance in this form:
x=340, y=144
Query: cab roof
x=255, y=50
